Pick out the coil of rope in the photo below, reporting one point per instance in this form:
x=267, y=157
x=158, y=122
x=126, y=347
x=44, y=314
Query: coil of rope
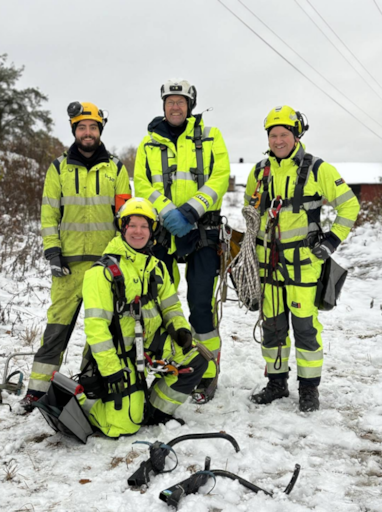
x=245, y=266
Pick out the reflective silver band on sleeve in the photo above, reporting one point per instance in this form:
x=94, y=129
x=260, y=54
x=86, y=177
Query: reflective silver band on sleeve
x=197, y=205
x=342, y=221
x=98, y=313
x=170, y=301
x=50, y=201
x=49, y=231
x=102, y=346
x=342, y=199
x=205, y=189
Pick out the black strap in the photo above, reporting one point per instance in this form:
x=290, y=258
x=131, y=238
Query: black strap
x=198, y=172
x=301, y=180
x=56, y=164
x=265, y=194
x=166, y=171
x=116, y=397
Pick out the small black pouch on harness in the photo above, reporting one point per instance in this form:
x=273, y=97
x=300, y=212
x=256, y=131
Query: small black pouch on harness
x=329, y=285
x=61, y=409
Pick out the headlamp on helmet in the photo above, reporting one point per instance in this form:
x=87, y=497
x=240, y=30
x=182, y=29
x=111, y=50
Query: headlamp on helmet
x=140, y=207
x=81, y=111
x=291, y=119
x=179, y=87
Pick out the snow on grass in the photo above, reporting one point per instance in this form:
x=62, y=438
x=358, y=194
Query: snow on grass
x=339, y=447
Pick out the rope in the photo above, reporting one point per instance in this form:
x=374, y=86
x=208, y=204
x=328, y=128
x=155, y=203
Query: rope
x=245, y=266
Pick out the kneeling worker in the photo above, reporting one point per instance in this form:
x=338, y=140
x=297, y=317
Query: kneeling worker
x=129, y=296
x=288, y=188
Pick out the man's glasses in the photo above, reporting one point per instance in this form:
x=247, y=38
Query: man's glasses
x=180, y=103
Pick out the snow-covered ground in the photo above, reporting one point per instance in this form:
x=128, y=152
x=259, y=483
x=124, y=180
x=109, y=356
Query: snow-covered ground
x=339, y=447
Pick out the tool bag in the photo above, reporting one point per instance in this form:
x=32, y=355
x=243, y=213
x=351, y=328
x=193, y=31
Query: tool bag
x=61, y=409
x=329, y=285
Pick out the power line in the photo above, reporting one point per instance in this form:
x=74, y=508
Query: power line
x=308, y=64
x=379, y=9
x=348, y=49
x=334, y=46
x=298, y=71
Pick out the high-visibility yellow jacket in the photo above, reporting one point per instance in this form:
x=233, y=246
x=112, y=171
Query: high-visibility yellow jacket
x=78, y=206
x=136, y=268
x=148, y=172
x=323, y=182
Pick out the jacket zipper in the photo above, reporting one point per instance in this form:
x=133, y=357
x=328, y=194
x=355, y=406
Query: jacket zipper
x=286, y=187
x=77, y=182
x=97, y=182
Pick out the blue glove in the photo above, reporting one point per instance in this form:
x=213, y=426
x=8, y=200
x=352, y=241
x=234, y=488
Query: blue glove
x=175, y=222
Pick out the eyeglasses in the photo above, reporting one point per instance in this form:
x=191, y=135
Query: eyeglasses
x=180, y=103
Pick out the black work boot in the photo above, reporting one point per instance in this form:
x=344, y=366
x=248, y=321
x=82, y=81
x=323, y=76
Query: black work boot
x=205, y=391
x=27, y=403
x=275, y=388
x=156, y=417
x=309, y=400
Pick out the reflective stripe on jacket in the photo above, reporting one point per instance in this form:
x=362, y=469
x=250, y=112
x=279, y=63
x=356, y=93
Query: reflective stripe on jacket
x=78, y=206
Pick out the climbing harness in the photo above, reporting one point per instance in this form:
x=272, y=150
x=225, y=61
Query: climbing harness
x=159, y=451
x=191, y=485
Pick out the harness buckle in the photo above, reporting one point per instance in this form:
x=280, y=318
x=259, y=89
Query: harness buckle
x=136, y=308
x=273, y=212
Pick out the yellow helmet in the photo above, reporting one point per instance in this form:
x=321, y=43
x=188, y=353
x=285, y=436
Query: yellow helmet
x=286, y=116
x=140, y=207
x=79, y=111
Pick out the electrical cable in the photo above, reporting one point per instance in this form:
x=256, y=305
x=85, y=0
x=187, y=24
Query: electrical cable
x=348, y=49
x=338, y=50
x=308, y=64
x=299, y=71
x=379, y=9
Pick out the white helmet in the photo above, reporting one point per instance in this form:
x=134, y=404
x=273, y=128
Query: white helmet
x=180, y=87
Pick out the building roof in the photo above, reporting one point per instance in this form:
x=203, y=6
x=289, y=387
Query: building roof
x=353, y=173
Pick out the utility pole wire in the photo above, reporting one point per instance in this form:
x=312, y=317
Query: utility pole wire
x=348, y=49
x=298, y=71
x=379, y=9
x=334, y=46
x=308, y=64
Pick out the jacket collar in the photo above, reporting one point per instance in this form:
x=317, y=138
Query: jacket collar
x=159, y=127
x=296, y=157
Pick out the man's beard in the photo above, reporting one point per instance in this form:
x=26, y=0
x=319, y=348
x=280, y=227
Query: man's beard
x=88, y=148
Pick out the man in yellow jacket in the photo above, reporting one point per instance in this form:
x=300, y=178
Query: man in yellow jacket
x=150, y=328
x=83, y=189
x=182, y=168
x=289, y=187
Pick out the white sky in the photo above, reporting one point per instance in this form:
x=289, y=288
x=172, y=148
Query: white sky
x=118, y=53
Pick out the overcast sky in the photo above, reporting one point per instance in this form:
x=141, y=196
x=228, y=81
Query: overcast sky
x=117, y=54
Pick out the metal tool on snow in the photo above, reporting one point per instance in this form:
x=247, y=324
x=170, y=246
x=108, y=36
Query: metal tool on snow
x=7, y=384
x=159, y=451
x=191, y=485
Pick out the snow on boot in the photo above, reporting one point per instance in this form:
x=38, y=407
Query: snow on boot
x=205, y=391
x=275, y=388
x=28, y=401
x=309, y=400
